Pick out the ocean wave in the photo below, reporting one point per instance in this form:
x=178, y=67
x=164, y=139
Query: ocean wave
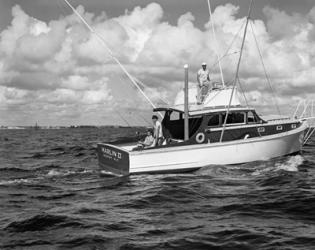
x=89, y=210
x=93, y=241
x=50, y=197
x=48, y=167
x=157, y=196
x=291, y=164
x=14, y=182
x=263, y=205
x=41, y=222
x=119, y=226
x=14, y=169
x=211, y=170
x=58, y=148
x=79, y=154
x=76, y=148
x=26, y=244
x=225, y=239
x=38, y=155
x=54, y=173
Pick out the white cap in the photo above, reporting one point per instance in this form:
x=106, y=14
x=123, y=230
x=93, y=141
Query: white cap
x=204, y=63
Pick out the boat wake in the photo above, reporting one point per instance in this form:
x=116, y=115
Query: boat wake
x=291, y=164
x=288, y=164
x=54, y=173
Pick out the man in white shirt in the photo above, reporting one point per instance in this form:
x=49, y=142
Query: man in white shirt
x=158, y=132
x=203, y=79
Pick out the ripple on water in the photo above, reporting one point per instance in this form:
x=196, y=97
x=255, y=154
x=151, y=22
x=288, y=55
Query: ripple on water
x=52, y=197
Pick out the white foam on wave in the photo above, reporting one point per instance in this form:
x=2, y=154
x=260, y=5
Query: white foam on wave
x=263, y=170
x=15, y=181
x=291, y=164
x=208, y=170
x=53, y=172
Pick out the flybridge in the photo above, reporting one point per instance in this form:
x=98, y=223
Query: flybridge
x=215, y=98
x=199, y=111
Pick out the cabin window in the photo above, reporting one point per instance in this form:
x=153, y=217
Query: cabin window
x=234, y=118
x=279, y=127
x=175, y=116
x=293, y=126
x=214, y=121
x=251, y=118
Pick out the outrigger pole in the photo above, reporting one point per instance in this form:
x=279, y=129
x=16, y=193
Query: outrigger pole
x=216, y=43
x=101, y=39
x=237, y=70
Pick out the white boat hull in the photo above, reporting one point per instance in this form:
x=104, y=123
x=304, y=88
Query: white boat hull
x=191, y=157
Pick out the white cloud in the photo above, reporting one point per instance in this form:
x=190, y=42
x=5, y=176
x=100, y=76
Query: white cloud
x=61, y=66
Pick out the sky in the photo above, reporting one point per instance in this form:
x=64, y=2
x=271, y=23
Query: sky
x=53, y=71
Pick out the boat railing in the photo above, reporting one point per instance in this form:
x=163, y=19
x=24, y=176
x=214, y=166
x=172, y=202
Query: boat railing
x=279, y=119
x=211, y=86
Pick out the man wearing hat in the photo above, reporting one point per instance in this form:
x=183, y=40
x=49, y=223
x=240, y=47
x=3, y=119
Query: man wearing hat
x=203, y=79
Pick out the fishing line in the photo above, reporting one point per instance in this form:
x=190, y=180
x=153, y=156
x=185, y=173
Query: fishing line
x=265, y=71
x=216, y=42
x=230, y=46
x=121, y=117
x=242, y=90
x=121, y=80
x=109, y=51
x=145, y=86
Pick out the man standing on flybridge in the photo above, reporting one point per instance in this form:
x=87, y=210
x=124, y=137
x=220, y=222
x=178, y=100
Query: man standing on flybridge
x=203, y=79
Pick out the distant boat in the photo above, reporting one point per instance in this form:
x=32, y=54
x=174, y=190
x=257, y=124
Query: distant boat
x=36, y=127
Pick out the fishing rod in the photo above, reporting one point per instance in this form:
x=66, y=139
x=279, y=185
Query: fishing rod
x=103, y=42
x=218, y=61
x=237, y=69
x=216, y=43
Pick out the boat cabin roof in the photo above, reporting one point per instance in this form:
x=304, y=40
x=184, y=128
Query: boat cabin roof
x=167, y=109
x=202, y=111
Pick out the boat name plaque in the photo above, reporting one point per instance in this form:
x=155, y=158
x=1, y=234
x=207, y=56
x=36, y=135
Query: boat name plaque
x=112, y=154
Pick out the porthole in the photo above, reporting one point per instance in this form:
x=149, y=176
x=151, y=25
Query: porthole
x=279, y=127
x=261, y=129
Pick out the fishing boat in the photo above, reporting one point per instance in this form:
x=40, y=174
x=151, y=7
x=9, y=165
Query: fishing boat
x=244, y=137
x=220, y=130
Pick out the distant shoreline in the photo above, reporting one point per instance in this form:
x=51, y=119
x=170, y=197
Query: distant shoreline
x=66, y=127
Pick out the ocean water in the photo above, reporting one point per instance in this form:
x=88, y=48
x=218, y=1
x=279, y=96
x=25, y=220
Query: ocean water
x=52, y=197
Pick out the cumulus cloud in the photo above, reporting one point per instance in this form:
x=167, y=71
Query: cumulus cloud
x=64, y=69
